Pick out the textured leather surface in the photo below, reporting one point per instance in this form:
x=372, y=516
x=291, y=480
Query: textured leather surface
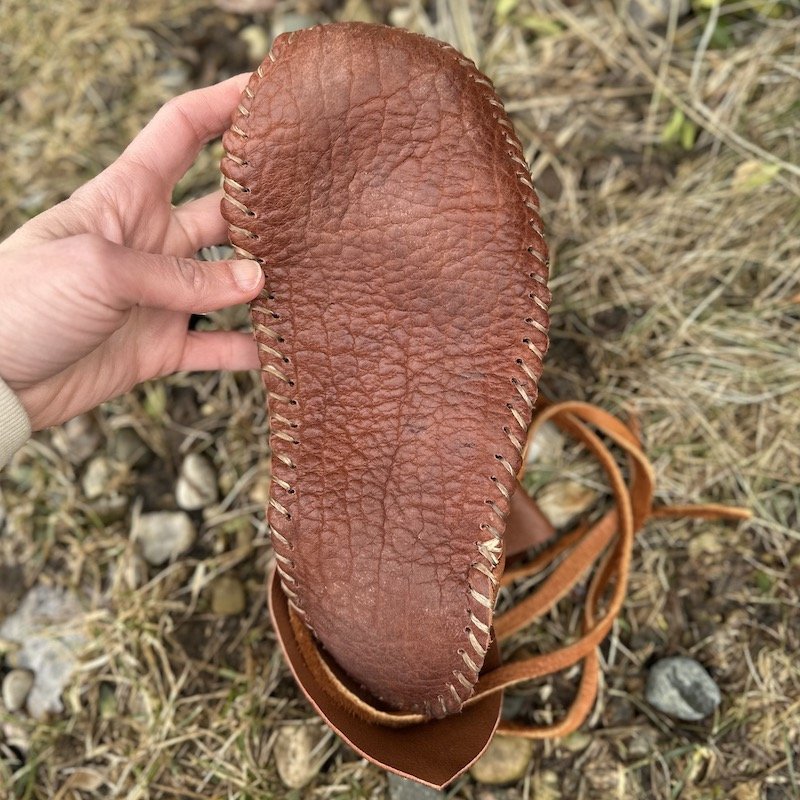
x=375, y=174
x=433, y=753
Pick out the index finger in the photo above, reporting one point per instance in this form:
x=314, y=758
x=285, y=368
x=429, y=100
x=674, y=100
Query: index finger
x=170, y=142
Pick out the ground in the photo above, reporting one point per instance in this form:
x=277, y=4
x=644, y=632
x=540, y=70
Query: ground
x=667, y=157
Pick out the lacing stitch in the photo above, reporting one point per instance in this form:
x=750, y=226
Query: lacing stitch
x=235, y=193
x=491, y=550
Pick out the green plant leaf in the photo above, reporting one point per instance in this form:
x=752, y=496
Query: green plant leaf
x=543, y=26
x=688, y=134
x=672, y=130
x=503, y=9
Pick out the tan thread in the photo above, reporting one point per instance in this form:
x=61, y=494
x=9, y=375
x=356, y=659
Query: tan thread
x=234, y=193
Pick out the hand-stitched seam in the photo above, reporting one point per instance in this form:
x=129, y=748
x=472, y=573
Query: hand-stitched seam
x=490, y=550
x=274, y=361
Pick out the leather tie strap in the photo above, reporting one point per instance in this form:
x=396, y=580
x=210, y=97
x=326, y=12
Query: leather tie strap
x=604, y=545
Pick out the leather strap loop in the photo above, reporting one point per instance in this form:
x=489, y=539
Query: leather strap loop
x=606, y=543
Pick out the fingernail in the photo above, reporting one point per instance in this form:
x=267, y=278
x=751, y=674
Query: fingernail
x=247, y=274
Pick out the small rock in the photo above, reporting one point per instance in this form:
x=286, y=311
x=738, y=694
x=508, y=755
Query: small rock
x=577, y=741
x=562, y=501
x=357, y=11
x=680, y=687
x=227, y=597
x=291, y=21
x=197, y=483
x=546, y=446
x=97, y=477
x=127, y=447
x=505, y=761
x=112, y=508
x=78, y=438
x=653, y=13
x=404, y=789
x=256, y=40
x=246, y=6
x=48, y=628
x=16, y=686
x=164, y=535
x=16, y=736
x=642, y=743
x=546, y=785
x=295, y=758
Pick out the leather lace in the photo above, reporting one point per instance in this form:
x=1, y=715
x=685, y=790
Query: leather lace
x=605, y=545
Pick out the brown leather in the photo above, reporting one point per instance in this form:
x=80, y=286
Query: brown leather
x=526, y=525
x=608, y=541
x=377, y=177
x=434, y=752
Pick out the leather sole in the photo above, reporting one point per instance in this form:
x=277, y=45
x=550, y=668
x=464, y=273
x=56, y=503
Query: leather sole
x=376, y=176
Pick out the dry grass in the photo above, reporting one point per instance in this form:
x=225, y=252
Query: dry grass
x=668, y=162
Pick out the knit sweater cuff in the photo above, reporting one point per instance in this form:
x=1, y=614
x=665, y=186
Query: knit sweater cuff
x=15, y=427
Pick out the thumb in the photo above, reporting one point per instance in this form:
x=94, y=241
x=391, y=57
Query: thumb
x=172, y=283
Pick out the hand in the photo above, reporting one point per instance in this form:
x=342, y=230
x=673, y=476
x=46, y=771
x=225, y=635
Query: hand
x=97, y=291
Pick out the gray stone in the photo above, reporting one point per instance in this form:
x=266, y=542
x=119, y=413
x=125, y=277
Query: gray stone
x=163, y=535
x=48, y=626
x=112, y=508
x=78, y=438
x=97, y=477
x=291, y=21
x=506, y=760
x=680, y=687
x=16, y=736
x=404, y=789
x=246, y=6
x=515, y=705
x=297, y=755
x=16, y=686
x=127, y=447
x=563, y=501
x=256, y=37
x=197, y=483
x=227, y=597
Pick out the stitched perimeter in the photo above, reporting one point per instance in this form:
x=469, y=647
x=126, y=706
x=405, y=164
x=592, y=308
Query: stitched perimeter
x=490, y=548
x=275, y=362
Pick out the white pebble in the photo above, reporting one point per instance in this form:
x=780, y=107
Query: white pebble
x=16, y=686
x=197, y=483
x=164, y=535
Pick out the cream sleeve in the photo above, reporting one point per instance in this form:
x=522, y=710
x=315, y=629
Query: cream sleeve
x=15, y=427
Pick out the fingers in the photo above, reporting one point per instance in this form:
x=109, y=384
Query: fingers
x=183, y=284
x=170, y=142
x=219, y=350
x=121, y=278
x=200, y=222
